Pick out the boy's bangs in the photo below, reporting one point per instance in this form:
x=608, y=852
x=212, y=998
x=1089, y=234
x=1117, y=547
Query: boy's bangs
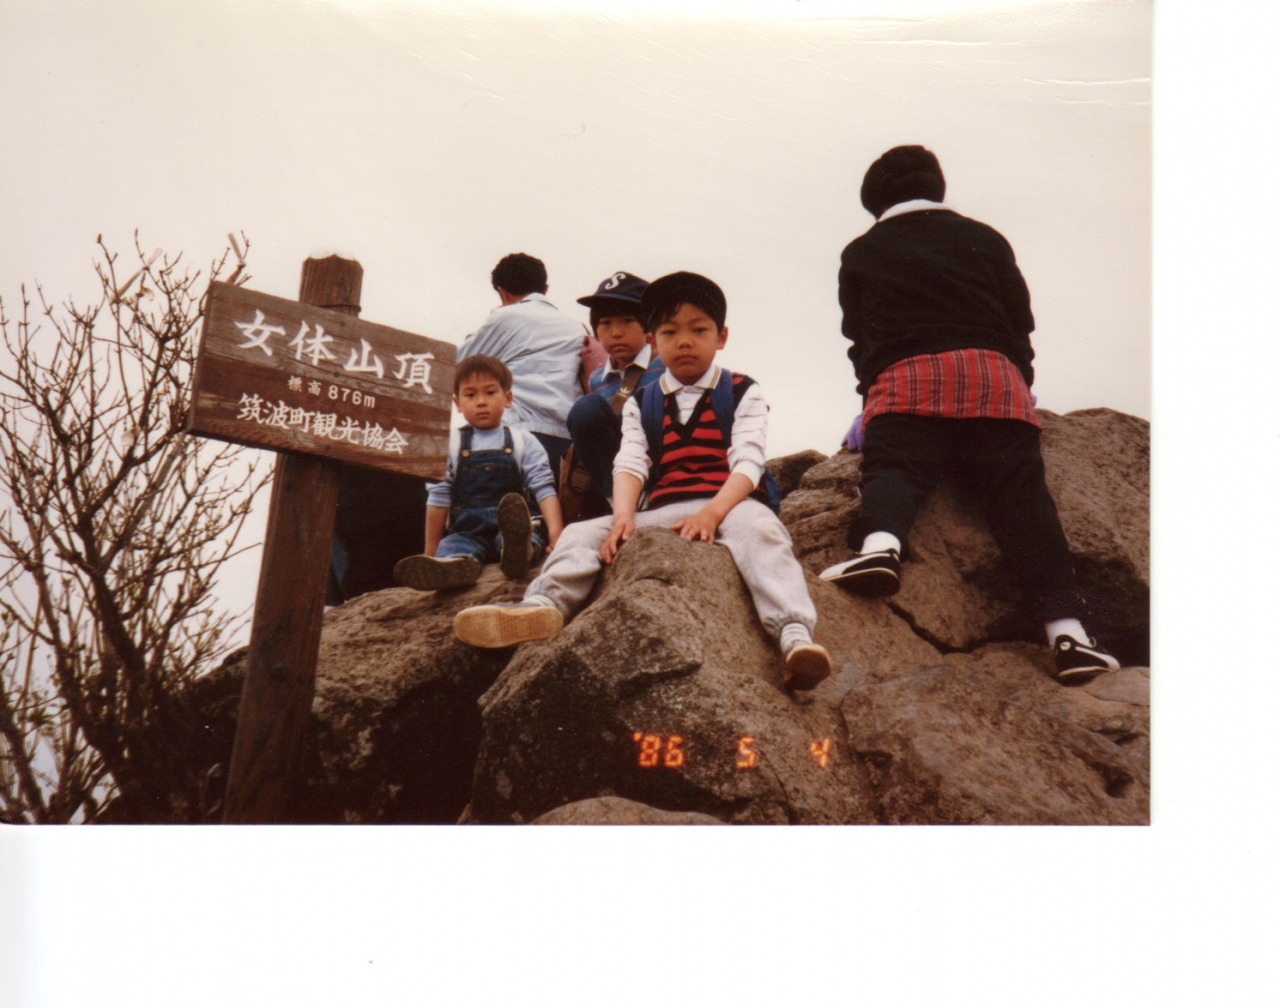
x=471, y=367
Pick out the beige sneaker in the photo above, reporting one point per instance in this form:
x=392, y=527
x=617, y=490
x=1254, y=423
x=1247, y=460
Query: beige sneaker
x=505, y=623
x=807, y=665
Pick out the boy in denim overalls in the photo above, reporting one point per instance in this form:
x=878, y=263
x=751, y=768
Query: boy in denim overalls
x=492, y=472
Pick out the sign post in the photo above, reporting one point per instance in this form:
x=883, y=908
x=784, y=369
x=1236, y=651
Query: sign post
x=311, y=381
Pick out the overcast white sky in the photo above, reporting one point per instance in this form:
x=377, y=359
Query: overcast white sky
x=428, y=139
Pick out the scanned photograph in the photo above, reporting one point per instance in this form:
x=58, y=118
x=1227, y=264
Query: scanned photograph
x=420, y=413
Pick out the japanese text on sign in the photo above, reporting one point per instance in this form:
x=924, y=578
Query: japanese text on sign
x=414, y=370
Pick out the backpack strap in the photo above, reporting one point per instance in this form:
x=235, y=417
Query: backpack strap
x=630, y=379
x=651, y=402
x=724, y=405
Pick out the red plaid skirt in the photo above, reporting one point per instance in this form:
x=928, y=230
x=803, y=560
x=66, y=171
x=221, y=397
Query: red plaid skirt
x=955, y=383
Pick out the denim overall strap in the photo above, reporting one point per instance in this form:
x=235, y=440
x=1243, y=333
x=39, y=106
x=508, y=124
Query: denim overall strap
x=485, y=476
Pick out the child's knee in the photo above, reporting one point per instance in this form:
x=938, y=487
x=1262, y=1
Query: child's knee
x=588, y=413
x=585, y=534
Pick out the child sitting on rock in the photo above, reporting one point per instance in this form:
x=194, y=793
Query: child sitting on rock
x=492, y=471
x=595, y=421
x=702, y=484
x=940, y=321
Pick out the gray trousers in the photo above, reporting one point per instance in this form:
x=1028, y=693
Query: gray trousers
x=758, y=541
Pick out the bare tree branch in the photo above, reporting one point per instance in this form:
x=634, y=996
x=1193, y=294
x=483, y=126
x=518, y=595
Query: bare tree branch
x=113, y=525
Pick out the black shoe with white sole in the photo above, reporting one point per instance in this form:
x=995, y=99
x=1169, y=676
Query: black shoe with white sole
x=872, y=575
x=1078, y=663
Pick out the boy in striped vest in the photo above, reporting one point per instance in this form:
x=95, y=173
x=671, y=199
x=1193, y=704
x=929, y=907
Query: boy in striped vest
x=700, y=483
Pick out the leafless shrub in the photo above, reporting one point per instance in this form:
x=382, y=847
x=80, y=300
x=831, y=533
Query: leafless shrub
x=113, y=525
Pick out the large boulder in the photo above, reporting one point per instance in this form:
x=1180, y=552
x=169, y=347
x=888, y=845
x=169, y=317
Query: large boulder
x=395, y=726
x=620, y=812
x=666, y=691
x=662, y=700
x=957, y=591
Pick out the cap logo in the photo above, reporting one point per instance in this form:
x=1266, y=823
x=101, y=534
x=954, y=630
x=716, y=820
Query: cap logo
x=613, y=281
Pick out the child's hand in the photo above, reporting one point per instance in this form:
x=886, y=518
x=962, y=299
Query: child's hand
x=620, y=533
x=702, y=526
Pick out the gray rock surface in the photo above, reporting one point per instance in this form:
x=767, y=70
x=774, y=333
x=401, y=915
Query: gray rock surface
x=957, y=591
x=661, y=701
x=620, y=812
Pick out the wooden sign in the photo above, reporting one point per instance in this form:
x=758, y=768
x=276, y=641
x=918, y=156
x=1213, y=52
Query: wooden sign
x=293, y=377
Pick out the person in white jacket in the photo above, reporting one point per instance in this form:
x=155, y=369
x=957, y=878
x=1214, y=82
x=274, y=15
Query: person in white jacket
x=540, y=344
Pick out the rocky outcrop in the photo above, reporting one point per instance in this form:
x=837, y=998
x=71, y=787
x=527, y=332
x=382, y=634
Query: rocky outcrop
x=661, y=701
x=620, y=812
x=957, y=591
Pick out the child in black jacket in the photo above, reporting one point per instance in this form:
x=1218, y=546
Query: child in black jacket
x=940, y=321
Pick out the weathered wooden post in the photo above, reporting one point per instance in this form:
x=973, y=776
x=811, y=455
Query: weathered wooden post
x=279, y=685
x=254, y=385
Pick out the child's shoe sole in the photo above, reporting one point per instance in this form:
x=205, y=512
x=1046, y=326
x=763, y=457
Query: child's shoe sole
x=429, y=573
x=502, y=625
x=515, y=525
x=807, y=666
x=871, y=575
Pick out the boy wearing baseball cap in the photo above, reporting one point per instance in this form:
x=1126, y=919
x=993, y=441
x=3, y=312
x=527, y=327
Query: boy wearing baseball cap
x=701, y=482
x=595, y=421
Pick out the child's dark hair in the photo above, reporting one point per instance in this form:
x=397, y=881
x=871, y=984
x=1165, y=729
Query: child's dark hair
x=613, y=309
x=519, y=273
x=663, y=298
x=479, y=364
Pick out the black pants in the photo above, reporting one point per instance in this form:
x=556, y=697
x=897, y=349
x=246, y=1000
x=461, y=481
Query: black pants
x=596, y=431
x=998, y=464
x=381, y=518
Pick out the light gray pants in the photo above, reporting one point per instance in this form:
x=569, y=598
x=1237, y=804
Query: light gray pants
x=759, y=543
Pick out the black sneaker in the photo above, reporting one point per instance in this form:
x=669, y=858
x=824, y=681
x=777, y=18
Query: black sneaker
x=1078, y=663
x=515, y=525
x=428, y=573
x=872, y=575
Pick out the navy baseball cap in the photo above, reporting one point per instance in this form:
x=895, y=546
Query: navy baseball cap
x=621, y=288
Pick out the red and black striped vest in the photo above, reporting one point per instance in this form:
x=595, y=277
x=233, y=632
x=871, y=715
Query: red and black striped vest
x=694, y=460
